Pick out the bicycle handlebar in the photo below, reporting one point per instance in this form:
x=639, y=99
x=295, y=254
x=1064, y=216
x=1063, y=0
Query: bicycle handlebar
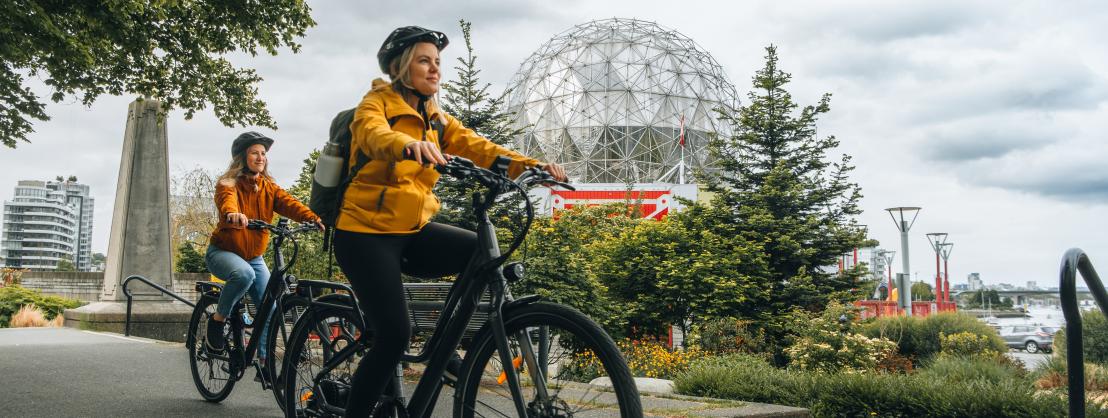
x=464, y=168
x=258, y=224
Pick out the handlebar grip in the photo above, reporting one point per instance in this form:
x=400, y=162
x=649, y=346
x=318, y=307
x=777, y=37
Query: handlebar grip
x=256, y=224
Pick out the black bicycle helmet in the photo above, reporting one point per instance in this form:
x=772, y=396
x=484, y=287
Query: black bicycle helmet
x=247, y=139
x=401, y=38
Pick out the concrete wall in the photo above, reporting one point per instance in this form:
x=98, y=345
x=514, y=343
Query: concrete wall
x=87, y=287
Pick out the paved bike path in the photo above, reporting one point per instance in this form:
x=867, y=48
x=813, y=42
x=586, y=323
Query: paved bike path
x=64, y=372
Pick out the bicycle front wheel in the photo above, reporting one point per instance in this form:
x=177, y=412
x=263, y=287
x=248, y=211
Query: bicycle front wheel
x=280, y=328
x=211, y=372
x=555, y=352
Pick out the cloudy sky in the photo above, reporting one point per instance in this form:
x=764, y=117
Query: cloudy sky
x=989, y=115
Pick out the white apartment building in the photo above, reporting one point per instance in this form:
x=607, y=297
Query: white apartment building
x=46, y=222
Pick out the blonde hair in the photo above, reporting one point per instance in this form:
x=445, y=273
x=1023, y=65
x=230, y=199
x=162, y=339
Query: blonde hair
x=235, y=169
x=401, y=75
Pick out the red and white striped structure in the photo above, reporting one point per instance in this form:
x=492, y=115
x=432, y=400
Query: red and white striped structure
x=655, y=200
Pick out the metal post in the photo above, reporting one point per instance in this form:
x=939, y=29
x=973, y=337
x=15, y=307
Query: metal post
x=900, y=218
x=906, y=280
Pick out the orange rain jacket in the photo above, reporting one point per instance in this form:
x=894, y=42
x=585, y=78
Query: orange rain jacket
x=390, y=195
x=257, y=199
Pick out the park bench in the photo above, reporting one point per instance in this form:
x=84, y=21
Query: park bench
x=425, y=303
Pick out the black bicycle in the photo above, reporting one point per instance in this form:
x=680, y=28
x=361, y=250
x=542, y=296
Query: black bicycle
x=524, y=361
x=215, y=373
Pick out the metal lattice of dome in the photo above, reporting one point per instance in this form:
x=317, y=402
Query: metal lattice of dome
x=606, y=99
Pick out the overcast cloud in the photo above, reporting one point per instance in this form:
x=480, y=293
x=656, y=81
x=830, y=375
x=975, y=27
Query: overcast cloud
x=989, y=115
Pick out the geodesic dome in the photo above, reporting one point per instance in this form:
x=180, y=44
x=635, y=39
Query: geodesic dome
x=606, y=99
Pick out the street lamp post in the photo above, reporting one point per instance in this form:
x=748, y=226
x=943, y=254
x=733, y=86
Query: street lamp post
x=937, y=239
x=900, y=217
x=947, y=248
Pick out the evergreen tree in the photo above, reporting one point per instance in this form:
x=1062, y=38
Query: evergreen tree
x=469, y=100
x=777, y=188
x=189, y=260
x=312, y=261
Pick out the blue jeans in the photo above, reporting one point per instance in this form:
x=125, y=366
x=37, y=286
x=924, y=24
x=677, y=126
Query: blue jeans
x=241, y=276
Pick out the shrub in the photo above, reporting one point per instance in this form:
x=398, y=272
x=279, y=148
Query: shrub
x=920, y=338
x=1052, y=375
x=10, y=276
x=826, y=342
x=1094, y=338
x=833, y=352
x=966, y=344
x=968, y=369
x=12, y=298
x=729, y=335
x=645, y=358
x=870, y=394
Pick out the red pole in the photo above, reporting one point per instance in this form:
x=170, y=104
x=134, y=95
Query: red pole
x=938, y=279
x=946, y=273
x=855, y=257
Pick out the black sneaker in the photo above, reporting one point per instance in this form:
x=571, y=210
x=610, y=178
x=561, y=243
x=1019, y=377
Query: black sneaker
x=216, y=340
x=260, y=376
x=452, y=367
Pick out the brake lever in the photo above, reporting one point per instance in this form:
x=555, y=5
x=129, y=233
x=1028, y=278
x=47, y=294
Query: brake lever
x=561, y=184
x=256, y=224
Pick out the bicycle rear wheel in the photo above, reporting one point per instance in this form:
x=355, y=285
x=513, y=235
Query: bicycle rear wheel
x=559, y=339
x=211, y=372
x=320, y=335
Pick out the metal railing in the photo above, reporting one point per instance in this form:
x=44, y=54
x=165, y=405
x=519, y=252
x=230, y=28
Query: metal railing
x=130, y=298
x=1075, y=260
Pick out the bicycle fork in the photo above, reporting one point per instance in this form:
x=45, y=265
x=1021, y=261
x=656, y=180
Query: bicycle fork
x=510, y=365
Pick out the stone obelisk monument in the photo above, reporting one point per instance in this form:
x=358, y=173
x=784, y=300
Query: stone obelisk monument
x=139, y=242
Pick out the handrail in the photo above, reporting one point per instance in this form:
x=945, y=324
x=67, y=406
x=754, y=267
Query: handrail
x=1073, y=261
x=130, y=297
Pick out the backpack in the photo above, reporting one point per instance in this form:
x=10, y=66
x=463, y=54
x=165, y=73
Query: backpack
x=330, y=177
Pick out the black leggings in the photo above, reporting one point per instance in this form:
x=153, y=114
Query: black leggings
x=373, y=263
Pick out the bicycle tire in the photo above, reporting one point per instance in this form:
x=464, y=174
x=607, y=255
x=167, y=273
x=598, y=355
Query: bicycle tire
x=201, y=361
x=280, y=328
x=318, y=335
x=484, y=392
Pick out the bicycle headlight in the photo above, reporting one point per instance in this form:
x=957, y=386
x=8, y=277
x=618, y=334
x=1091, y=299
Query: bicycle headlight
x=513, y=272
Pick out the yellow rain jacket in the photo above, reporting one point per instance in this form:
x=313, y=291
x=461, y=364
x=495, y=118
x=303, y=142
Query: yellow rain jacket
x=390, y=195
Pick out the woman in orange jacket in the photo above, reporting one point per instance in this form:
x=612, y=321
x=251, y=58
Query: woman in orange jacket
x=246, y=191
x=384, y=227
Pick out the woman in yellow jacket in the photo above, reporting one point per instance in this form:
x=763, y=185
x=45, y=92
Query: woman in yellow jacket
x=384, y=227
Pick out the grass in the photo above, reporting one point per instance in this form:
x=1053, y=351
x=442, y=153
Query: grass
x=30, y=316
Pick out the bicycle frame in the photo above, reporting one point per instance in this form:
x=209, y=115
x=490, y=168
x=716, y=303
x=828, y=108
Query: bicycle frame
x=273, y=301
x=463, y=301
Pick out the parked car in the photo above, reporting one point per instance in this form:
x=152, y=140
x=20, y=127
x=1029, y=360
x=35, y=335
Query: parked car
x=1033, y=338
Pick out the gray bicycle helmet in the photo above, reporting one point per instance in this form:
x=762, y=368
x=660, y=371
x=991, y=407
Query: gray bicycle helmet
x=246, y=139
x=401, y=38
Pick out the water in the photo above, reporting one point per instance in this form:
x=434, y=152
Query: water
x=1050, y=316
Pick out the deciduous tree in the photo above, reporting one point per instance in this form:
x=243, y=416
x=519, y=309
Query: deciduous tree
x=172, y=51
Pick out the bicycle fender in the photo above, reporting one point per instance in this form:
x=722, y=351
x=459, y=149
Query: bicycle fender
x=526, y=300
